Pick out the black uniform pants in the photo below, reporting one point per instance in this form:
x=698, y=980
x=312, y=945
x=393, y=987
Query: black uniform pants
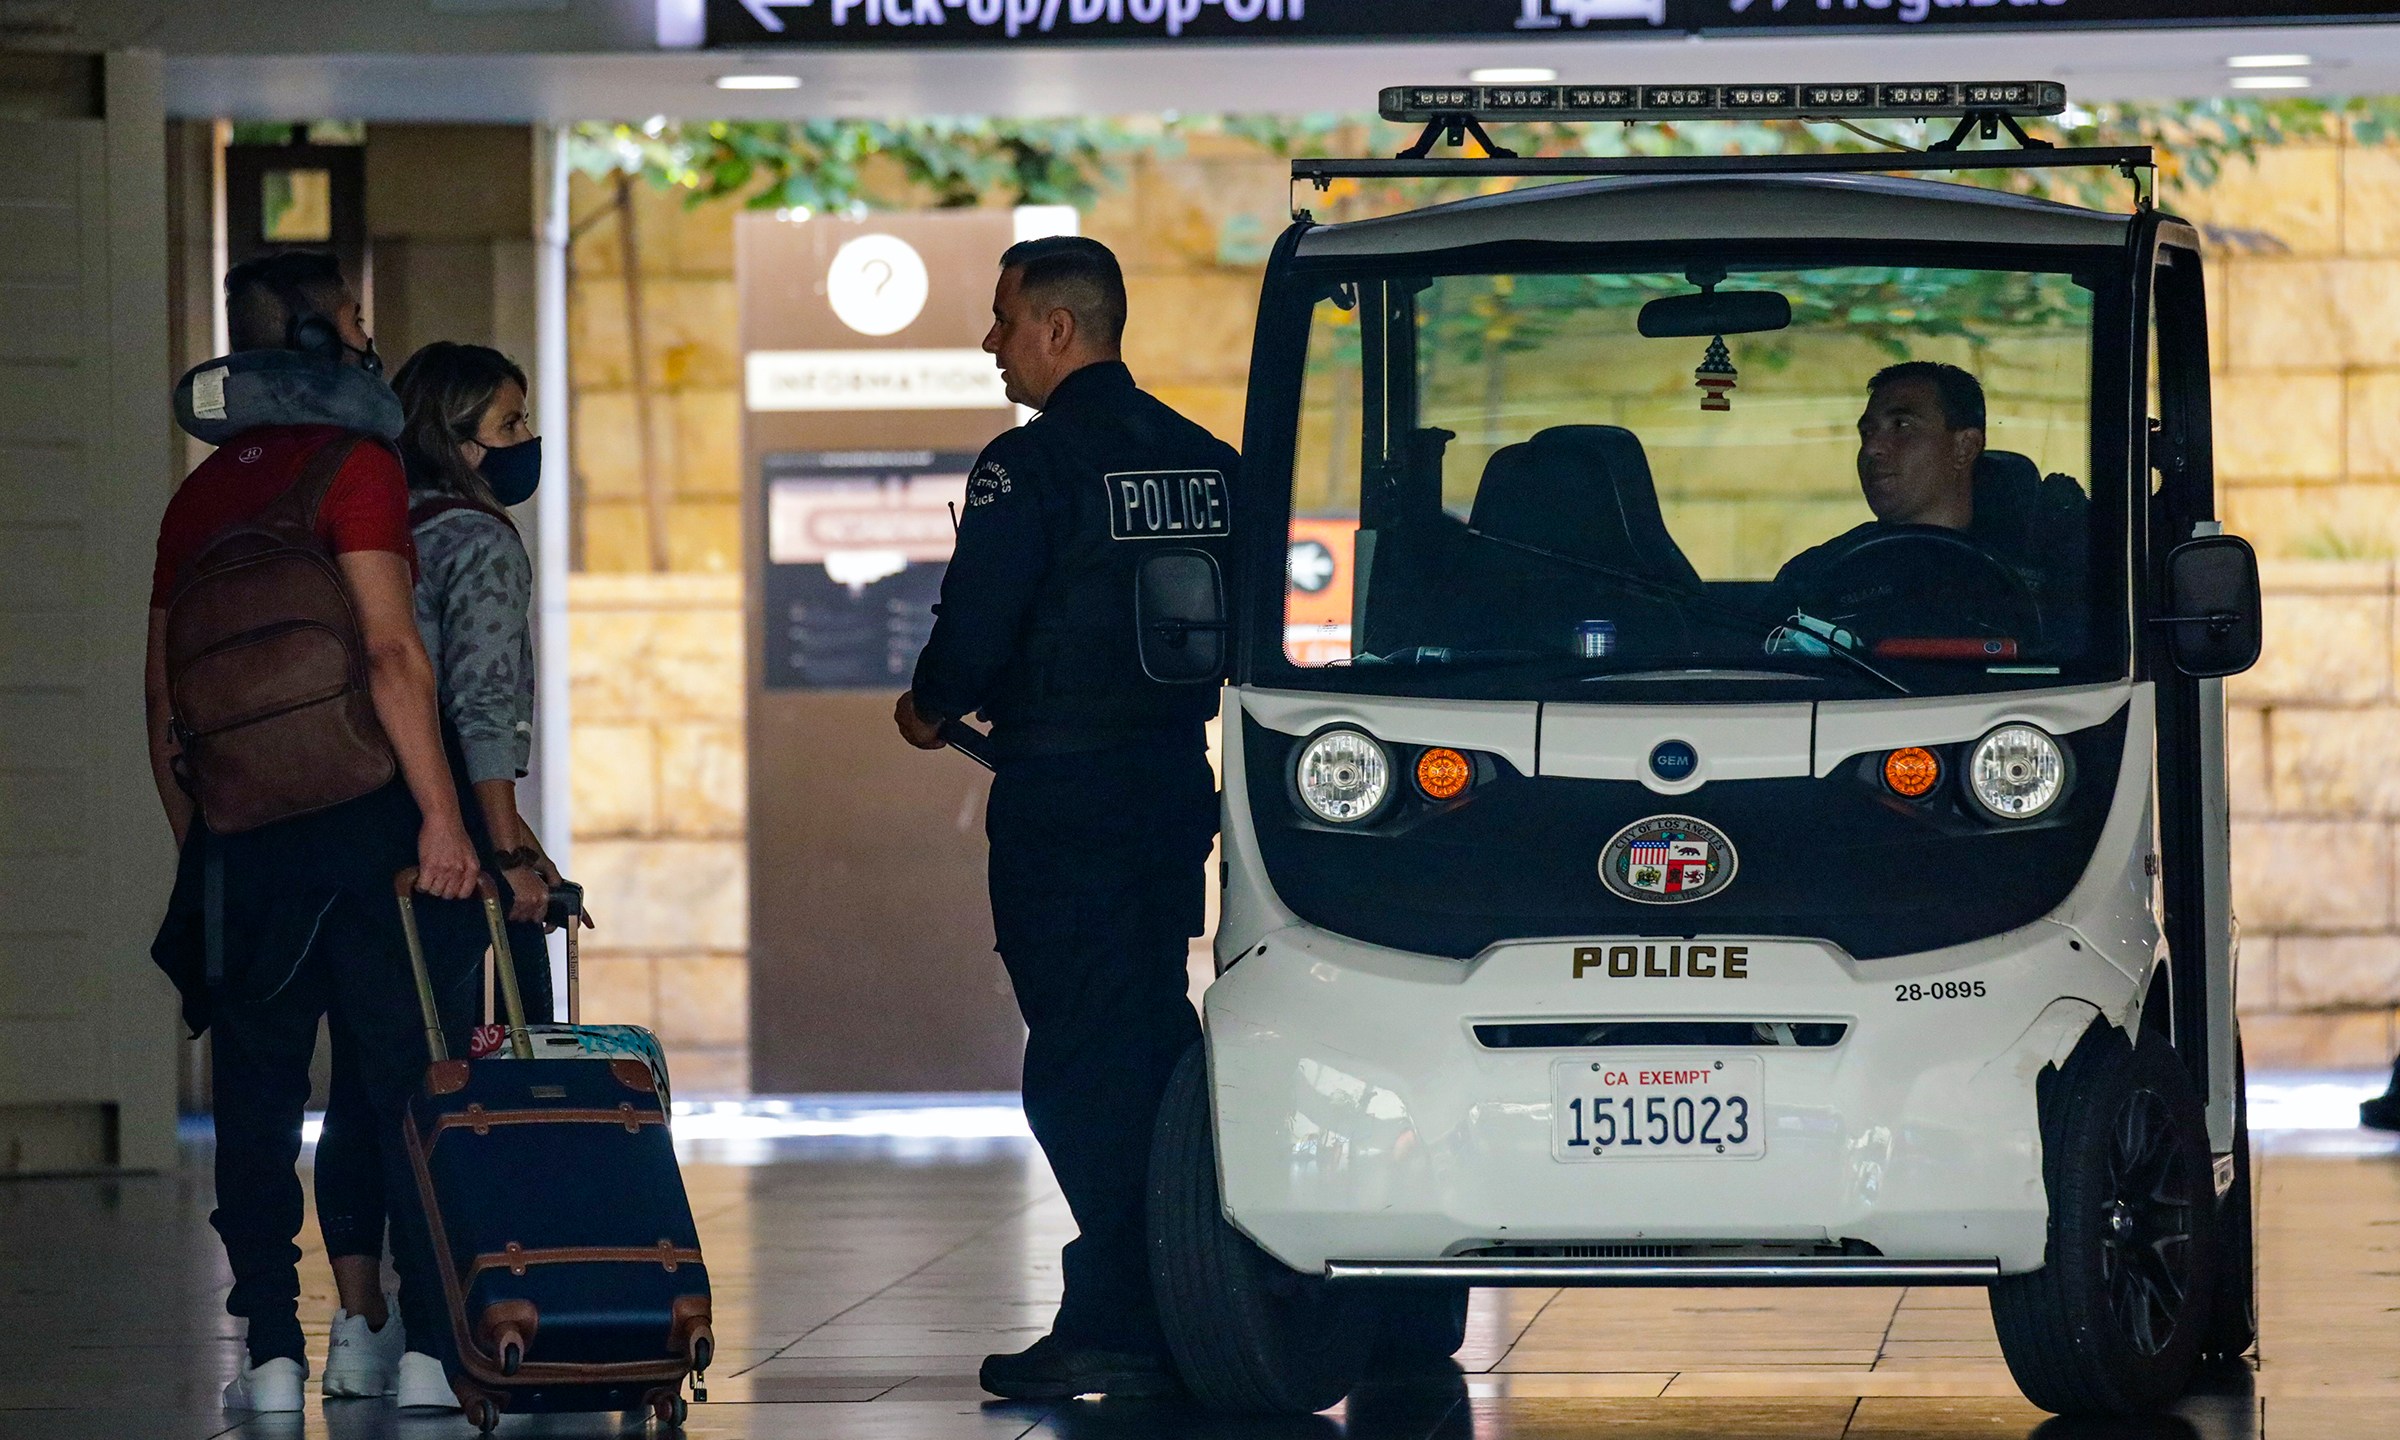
x=1098, y=875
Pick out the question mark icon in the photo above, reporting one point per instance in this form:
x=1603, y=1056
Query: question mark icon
x=884, y=279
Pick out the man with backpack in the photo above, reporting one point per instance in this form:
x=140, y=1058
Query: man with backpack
x=298, y=753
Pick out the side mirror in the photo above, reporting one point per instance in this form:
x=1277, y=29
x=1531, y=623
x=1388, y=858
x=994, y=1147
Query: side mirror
x=2212, y=606
x=1179, y=617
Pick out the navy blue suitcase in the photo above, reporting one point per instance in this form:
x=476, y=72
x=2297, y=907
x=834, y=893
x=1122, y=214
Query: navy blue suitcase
x=563, y=1238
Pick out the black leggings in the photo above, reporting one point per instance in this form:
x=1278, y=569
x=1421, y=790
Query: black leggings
x=350, y=1179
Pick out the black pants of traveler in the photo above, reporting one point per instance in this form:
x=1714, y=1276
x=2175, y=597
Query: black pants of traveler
x=331, y=947
x=1098, y=865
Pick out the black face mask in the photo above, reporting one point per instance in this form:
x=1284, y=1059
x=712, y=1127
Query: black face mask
x=513, y=471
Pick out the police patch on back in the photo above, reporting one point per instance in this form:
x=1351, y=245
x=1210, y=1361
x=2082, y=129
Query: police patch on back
x=1168, y=504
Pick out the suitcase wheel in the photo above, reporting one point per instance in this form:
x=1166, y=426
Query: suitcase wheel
x=669, y=1409
x=483, y=1414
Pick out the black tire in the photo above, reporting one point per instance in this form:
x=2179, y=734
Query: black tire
x=1249, y=1336
x=1418, y=1325
x=2113, y=1322
x=2233, y=1315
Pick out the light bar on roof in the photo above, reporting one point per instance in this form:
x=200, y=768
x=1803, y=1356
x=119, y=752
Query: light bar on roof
x=1422, y=104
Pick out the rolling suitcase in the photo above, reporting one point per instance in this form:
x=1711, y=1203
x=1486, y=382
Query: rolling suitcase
x=561, y=1233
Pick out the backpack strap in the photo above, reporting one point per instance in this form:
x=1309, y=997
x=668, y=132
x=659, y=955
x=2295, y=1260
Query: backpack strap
x=290, y=518
x=293, y=514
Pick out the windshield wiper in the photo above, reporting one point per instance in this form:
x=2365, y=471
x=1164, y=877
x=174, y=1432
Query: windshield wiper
x=1699, y=604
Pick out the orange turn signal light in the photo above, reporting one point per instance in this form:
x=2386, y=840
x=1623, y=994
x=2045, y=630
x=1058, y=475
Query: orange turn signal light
x=1443, y=774
x=1912, y=772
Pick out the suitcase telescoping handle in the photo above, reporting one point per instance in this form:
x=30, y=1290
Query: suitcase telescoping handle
x=404, y=886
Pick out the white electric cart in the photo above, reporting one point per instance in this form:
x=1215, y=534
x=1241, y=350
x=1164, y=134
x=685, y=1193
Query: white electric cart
x=1644, y=865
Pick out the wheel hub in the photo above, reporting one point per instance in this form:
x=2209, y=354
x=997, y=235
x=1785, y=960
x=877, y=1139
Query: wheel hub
x=2146, y=1223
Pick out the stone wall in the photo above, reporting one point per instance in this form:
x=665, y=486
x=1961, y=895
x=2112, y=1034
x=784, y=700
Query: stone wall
x=2305, y=320
x=2305, y=294
x=660, y=837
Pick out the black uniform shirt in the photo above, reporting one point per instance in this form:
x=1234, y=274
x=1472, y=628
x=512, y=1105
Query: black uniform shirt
x=1034, y=629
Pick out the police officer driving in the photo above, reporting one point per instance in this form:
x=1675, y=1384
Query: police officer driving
x=1103, y=806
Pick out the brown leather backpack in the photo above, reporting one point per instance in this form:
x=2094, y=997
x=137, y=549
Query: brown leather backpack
x=266, y=669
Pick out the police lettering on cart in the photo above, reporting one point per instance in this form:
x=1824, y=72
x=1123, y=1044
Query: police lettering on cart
x=1103, y=806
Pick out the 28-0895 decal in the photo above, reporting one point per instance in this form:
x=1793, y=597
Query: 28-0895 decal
x=1905, y=991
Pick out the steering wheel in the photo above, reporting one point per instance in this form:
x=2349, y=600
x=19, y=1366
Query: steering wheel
x=1920, y=581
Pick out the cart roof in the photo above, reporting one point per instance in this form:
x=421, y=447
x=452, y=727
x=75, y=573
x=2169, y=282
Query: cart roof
x=1691, y=207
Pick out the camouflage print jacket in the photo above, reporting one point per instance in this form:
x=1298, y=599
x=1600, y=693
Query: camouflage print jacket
x=474, y=602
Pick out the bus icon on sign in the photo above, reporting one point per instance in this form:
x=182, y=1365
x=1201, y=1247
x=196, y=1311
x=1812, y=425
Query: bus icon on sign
x=1550, y=14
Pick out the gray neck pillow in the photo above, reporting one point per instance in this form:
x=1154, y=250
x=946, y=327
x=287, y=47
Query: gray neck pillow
x=219, y=399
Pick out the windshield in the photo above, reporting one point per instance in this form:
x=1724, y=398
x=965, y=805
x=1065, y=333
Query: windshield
x=1867, y=476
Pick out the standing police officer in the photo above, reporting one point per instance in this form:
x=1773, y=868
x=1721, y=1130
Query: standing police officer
x=1103, y=806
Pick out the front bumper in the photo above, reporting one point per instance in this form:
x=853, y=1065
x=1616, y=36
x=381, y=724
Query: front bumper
x=1359, y=1119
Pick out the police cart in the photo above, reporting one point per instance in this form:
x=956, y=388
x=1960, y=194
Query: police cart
x=1704, y=806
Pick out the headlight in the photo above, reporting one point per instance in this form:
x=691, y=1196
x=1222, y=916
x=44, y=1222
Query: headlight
x=2016, y=773
x=1343, y=777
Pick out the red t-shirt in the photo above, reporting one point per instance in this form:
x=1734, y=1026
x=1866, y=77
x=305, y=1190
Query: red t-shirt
x=367, y=508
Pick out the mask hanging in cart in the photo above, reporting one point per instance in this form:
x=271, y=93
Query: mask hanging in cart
x=1716, y=377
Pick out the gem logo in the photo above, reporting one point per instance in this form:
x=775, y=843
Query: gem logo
x=1674, y=761
x=1667, y=860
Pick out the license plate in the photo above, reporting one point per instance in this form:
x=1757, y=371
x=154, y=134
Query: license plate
x=1623, y=1107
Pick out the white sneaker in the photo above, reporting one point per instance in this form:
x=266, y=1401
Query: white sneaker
x=423, y=1386
x=361, y=1362
x=270, y=1388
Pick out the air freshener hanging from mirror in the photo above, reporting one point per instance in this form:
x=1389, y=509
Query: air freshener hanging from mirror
x=1716, y=377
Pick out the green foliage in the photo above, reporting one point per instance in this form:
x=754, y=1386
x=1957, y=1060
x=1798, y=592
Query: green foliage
x=872, y=164
x=839, y=165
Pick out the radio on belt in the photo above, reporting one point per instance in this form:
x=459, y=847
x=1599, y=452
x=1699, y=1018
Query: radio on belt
x=1423, y=104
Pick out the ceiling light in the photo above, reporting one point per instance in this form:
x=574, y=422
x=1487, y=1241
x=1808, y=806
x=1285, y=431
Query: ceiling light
x=2266, y=62
x=758, y=82
x=2271, y=82
x=1513, y=75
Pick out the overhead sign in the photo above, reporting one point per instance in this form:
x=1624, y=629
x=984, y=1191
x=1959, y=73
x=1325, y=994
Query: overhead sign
x=752, y=23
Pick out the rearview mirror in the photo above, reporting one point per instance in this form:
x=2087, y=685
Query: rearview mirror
x=2212, y=606
x=1715, y=312
x=1179, y=615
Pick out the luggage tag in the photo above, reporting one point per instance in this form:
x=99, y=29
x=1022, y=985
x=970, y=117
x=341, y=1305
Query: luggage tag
x=490, y=1036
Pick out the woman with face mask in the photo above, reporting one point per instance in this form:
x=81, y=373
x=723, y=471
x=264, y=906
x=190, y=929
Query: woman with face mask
x=470, y=452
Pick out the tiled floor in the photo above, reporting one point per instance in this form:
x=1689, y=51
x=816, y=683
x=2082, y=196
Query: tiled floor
x=858, y=1282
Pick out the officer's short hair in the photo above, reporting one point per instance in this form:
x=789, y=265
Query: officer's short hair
x=1961, y=392
x=1080, y=276
x=259, y=295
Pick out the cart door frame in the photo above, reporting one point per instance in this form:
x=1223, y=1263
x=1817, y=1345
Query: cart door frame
x=2194, y=827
